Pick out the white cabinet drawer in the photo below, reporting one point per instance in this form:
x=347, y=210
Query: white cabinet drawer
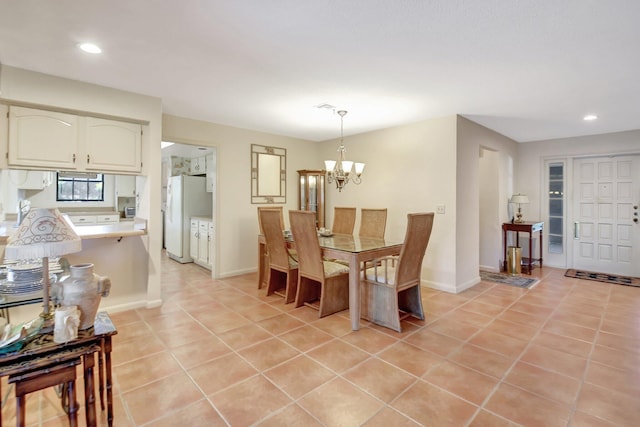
x=82, y=219
x=104, y=219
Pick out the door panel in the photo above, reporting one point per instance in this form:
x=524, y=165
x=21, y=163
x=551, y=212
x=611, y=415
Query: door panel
x=607, y=232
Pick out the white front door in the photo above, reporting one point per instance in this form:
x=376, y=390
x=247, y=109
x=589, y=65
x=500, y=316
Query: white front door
x=606, y=225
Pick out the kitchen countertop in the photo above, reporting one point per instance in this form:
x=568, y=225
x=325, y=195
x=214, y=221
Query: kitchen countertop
x=137, y=227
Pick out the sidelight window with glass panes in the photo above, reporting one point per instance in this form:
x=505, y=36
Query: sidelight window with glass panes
x=556, y=208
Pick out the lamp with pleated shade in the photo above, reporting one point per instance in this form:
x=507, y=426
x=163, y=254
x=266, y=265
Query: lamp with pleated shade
x=43, y=233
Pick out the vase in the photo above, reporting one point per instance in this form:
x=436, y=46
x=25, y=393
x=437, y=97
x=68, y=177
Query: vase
x=84, y=289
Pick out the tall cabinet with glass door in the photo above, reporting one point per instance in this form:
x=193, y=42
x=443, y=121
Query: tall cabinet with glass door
x=311, y=193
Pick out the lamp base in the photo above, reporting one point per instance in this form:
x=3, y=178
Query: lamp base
x=518, y=219
x=47, y=321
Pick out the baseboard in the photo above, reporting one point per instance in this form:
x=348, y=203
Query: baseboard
x=490, y=268
x=126, y=306
x=452, y=289
x=469, y=284
x=238, y=272
x=438, y=286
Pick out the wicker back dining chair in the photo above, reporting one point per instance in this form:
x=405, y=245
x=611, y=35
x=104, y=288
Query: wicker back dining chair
x=265, y=261
x=390, y=290
x=278, y=209
x=344, y=219
x=372, y=223
x=322, y=284
x=282, y=276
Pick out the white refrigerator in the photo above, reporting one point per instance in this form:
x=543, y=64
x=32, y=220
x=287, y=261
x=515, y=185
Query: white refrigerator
x=186, y=197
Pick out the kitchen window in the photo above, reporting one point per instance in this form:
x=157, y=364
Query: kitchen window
x=79, y=187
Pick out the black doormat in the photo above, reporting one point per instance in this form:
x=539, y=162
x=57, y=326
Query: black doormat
x=603, y=277
x=507, y=279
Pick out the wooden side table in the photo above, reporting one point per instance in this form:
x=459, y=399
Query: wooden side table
x=525, y=227
x=42, y=354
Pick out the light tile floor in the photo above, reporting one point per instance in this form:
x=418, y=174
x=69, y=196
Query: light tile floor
x=219, y=352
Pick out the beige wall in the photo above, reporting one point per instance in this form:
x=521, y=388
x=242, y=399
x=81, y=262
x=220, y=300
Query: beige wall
x=236, y=225
x=471, y=138
x=408, y=169
x=489, y=199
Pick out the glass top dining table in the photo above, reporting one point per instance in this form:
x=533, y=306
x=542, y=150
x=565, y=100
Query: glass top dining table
x=356, y=250
x=345, y=247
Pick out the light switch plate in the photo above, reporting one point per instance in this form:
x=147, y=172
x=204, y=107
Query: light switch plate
x=440, y=209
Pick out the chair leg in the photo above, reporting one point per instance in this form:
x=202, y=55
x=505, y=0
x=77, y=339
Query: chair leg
x=410, y=301
x=275, y=282
x=308, y=290
x=381, y=305
x=292, y=287
x=334, y=296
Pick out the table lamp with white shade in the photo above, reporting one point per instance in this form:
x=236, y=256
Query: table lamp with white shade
x=519, y=199
x=43, y=233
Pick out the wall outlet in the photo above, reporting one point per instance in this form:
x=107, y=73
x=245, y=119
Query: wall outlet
x=440, y=209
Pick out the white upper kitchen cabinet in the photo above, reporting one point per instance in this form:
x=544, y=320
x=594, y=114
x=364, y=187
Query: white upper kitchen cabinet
x=113, y=145
x=198, y=166
x=125, y=186
x=42, y=139
x=31, y=180
x=210, y=181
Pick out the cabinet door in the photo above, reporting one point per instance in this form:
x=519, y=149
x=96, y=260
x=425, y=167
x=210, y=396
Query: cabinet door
x=210, y=167
x=198, y=166
x=125, y=186
x=210, y=238
x=311, y=193
x=112, y=146
x=203, y=242
x=39, y=138
x=30, y=180
x=194, y=239
x=194, y=167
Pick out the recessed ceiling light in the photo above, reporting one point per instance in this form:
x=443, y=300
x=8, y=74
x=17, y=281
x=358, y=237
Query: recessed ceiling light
x=590, y=117
x=90, y=48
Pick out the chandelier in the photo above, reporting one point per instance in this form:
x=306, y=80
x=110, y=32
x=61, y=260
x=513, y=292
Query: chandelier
x=341, y=171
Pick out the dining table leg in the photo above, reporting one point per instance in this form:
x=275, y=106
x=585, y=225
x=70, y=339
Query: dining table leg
x=354, y=293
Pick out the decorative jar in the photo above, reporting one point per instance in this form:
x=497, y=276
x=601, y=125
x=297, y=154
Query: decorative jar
x=84, y=289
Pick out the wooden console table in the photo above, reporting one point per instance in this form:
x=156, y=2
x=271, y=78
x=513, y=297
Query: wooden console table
x=41, y=355
x=525, y=227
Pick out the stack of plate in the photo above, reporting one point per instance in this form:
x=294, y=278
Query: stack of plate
x=22, y=279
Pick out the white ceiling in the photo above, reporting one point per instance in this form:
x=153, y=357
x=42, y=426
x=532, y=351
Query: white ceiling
x=527, y=69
